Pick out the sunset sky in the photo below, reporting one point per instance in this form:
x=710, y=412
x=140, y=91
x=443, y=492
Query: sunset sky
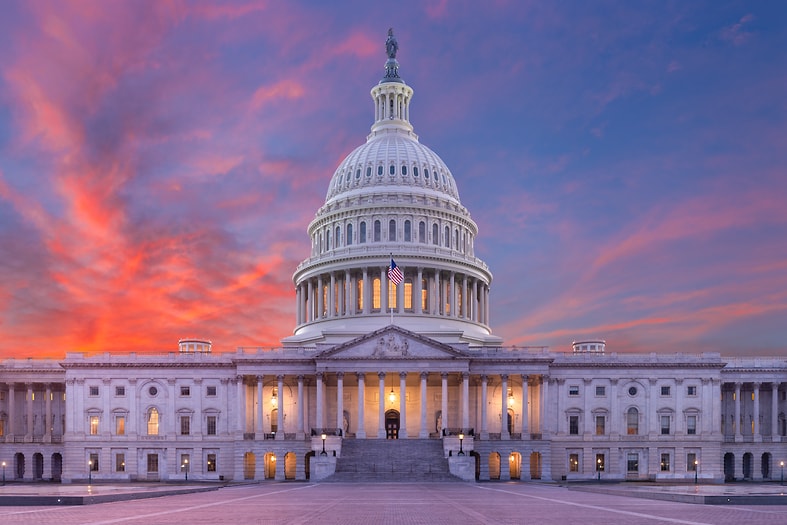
x=626, y=163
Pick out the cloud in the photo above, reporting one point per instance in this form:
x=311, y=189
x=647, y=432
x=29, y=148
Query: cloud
x=737, y=34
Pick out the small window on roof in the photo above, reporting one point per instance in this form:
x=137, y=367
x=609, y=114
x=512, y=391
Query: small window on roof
x=369, y=171
x=426, y=174
x=379, y=170
x=392, y=170
x=357, y=173
x=415, y=171
x=404, y=169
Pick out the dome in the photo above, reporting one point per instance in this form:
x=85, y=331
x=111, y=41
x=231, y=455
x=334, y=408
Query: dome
x=392, y=159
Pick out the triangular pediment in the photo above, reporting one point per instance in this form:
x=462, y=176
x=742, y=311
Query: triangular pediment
x=392, y=342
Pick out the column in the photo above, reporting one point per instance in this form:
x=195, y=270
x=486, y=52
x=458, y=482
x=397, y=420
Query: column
x=465, y=401
x=320, y=421
x=706, y=417
x=614, y=416
x=484, y=428
x=757, y=431
x=48, y=422
x=679, y=407
x=360, y=432
x=241, y=426
x=419, y=291
x=452, y=294
x=438, y=288
x=482, y=305
x=332, y=296
x=474, y=302
x=12, y=409
x=258, y=428
x=402, y=405
x=504, y=410
x=738, y=433
x=525, y=416
x=133, y=416
x=299, y=309
x=29, y=405
x=310, y=302
x=652, y=417
x=197, y=428
x=340, y=401
x=366, y=291
x=348, y=292
x=383, y=294
x=105, y=426
x=400, y=297
x=774, y=410
x=280, y=411
x=424, y=432
x=381, y=406
x=465, y=302
x=444, y=400
x=320, y=300
x=301, y=403
x=486, y=306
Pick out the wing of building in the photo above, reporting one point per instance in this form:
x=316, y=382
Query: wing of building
x=397, y=379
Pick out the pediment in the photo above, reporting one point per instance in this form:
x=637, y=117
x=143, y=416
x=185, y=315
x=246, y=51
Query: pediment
x=392, y=343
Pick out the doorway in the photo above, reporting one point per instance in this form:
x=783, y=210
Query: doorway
x=392, y=424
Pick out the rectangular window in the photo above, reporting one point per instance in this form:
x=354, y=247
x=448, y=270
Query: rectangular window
x=211, y=462
x=664, y=425
x=573, y=390
x=599, y=462
x=573, y=425
x=691, y=390
x=691, y=462
x=376, y=294
x=665, y=462
x=573, y=462
x=185, y=391
x=185, y=425
x=93, y=461
x=600, y=420
x=665, y=390
x=184, y=462
x=93, y=391
x=153, y=463
x=93, y=425
x=120, y=391
x=391, y=296
x=120, y=425
x=211, y=391
x=691, y=425
x=211, y=430
x=601, y=391
x=2, y=427
x=360, y=295
x=632, y=462
x=120, y=463
x=408, y=295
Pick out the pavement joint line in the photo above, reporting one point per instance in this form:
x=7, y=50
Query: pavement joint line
x=596, y=507
x=194, y=507
x=317, y=513
x=468, y=511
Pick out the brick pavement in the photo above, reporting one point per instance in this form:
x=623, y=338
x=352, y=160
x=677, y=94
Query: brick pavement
x=395, y=503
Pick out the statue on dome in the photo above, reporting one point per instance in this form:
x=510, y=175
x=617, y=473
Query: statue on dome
x=391, y=45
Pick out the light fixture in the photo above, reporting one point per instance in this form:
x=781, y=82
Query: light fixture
x=392, y=396
x=510, y=399
x=275, y=397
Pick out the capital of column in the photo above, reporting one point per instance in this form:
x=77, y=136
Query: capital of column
x=465, y=375
x=340, y=375
x=360, y=375
x=424, y=375
x=444, y=375
x=280, y=377
x=504, y=377
x=381, y=375
x=402, y=375
x=319, y=375
x=258, y=378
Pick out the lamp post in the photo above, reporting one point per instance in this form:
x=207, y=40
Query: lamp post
x=696, y=470
x=186, y=464
x=781, y=464
x=598, y=469
x=90, y=472
x=323, y=453
x=461, y=439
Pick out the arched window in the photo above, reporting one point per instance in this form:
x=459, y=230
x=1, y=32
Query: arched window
x=377, y=228
x=404, y=169
x=435, y=235
x=362, y=233
x=369, y=171
x=408, y=294
x=424, y=295
x=632, y=421
x=338, y=236
x=447, y=237
x=392, y=170
x=422, y=232
x=456, y=239
x=327, y=240
x=376, y=293
x=349, y=234
x=407, y=233
x=359, y=303
x=379, y=170
x=392, y=230
x=153, y=421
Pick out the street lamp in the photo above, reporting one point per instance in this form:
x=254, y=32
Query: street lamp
x=323, y=453
x=461, y=438
x=4, y=471
x=90, y=472
x=696, y=470
x=186, y=465
x=781, y=464
x=598, y=469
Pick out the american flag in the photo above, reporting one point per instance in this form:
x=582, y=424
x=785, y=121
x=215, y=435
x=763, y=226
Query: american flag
x=395, y=275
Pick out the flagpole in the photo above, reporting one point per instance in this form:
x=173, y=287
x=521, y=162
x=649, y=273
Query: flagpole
x=389, y=290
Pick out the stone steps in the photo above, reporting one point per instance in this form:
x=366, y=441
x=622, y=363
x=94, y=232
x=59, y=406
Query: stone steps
x=392, y=460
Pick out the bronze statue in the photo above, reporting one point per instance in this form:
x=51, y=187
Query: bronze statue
x=391, y=45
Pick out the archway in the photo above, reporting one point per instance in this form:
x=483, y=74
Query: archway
x=19, y=463
x=729, y=466
x=38, y=465
x=510, y=421
x=270, y=465
x=515, y=465
x=535, y=465
x=477, y=457
x=249, y=465
x=307, y=463
x=57, y=466
x=392, y=424
x=290, y=461
x=748, y=459
x=274, y=420
x=494, y=465
x=765, y=466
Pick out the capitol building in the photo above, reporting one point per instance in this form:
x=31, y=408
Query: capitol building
x=392, y=371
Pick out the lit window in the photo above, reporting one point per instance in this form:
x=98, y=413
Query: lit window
x=153, y=421
x=376, y=293
x=632, y=421
x=120, y=425
x=665, y=462
x=408, y=294
x=391, y=295
x=211, y=462
x=185, y=425
x=600, y=421
x=93, y=425
x=360, y=295
x=691, y=425
x=573, y=462
x=600, y=462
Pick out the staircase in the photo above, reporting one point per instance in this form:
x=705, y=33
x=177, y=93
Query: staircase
x=392, y=460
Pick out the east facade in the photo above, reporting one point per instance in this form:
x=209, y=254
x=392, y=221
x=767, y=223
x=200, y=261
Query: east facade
x=393, y=341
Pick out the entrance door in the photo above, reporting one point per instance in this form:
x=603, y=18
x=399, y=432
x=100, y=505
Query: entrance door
x=392, y=424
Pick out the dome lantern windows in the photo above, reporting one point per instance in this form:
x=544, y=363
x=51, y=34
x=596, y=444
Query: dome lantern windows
x=422, y=232
x=407, y=231
x=392, y=230
x=349, y=234
x=435, y=235
x=362, y=233
x=377, y=229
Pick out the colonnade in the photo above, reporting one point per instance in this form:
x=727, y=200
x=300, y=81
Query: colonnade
x=29, y=428
x=350, y=293
x=753, y=406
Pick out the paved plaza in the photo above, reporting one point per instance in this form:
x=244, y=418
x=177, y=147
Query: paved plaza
x=394, y=503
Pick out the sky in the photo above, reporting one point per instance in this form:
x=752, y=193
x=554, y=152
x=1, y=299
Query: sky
x=626, y=163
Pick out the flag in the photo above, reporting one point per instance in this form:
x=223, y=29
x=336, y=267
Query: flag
x=395, y=275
